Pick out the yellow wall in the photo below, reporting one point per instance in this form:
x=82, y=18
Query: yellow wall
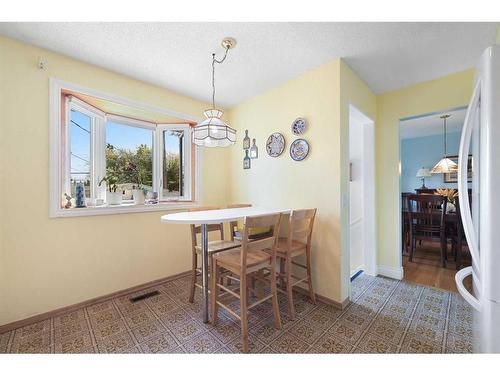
x=51, y=263
x=282, y=182
x=438, y=95
x=353, y=91
x=319, y=180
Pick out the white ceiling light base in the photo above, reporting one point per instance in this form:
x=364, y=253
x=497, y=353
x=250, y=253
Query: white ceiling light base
x=228, y=43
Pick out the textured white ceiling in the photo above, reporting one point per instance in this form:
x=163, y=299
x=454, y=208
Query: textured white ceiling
x=432, y=124
x=177, y=56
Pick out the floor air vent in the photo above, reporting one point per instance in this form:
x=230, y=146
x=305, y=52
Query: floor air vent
x=144, y=296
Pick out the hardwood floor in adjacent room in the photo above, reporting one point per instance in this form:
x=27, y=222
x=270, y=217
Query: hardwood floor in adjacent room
x=426, y=268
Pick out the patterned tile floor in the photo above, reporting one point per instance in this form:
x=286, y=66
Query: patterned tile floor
x=385, y=316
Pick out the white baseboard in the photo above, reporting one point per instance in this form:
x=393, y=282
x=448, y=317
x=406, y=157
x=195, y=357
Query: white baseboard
x=355, y=271
x=392, y=272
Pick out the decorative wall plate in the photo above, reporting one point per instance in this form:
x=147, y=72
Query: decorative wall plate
x=299, y=149
x=299, y=126
x=275, y=144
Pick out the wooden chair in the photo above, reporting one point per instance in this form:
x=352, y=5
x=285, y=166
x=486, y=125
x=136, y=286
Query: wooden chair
x=233, y=225
x=252, y=257
x=405, y=224
x=297, y=242
x=458, y=236
x=213, y=247
x=236, y=228
x=427, y=221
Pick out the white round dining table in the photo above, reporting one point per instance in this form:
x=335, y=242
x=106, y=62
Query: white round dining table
x=204, y=218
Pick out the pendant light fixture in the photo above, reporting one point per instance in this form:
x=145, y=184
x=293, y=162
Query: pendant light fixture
x=445, y=165
x=213, y=132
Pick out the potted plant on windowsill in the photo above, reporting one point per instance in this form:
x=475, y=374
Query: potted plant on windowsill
x=137, y=190
x=113, y=194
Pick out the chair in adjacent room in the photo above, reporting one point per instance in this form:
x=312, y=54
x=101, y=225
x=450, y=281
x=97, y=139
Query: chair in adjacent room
x=427, y=221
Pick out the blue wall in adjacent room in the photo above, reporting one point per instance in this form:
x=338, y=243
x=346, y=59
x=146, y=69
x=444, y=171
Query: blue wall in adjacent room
x=425, y=152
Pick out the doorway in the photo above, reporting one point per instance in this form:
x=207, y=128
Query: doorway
x=362, y=252
x=421, y=148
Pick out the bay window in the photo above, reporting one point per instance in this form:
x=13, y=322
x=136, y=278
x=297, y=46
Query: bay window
x=116, y=153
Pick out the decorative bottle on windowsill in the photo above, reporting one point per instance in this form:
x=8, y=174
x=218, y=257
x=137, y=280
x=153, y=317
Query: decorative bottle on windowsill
x=80, y=195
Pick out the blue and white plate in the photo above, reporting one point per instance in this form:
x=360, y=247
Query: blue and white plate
x=299, y=126
x=299, y=149
x=275, y=144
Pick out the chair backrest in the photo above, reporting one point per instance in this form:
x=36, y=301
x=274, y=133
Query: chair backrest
x=426, y=214
x=404, y=201
x=300, y=226
x=247, y=245
x=196, y=229
x=233, y=225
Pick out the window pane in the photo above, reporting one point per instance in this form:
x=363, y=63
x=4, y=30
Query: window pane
x=173, y=164
x=129, y=156
x=80, y=136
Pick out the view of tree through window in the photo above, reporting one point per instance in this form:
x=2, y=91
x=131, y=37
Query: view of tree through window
x=80, y=136
x=173, y=167
x=129, y=155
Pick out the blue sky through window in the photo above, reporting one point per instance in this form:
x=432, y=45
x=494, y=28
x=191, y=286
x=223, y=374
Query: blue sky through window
x=80, y=128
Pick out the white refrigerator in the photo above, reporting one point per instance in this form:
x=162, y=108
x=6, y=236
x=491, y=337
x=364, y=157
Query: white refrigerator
x=481, y=220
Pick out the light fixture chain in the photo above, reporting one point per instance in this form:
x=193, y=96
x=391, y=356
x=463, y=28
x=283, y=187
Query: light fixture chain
x=214, y=60
x=445, y=153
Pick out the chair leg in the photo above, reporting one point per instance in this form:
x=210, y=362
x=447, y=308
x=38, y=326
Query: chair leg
x=459, y=252
x=289, y=287
x=192, y=286
x=214, y=295
x=444, y=247
x=243, y=313
x=309, y=276
x=412, y=248
x=274, y=291
x=282, y=270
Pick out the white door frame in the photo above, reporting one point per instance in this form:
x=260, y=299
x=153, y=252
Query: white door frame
x=369, y=204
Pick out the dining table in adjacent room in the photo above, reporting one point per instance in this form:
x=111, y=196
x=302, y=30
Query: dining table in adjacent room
x=204, y=218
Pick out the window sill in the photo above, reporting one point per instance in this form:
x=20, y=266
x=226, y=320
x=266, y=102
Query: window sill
x=124, y=208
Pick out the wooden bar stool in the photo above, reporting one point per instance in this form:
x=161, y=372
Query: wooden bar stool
x=213, y=247
x=252, y=257
x=298, y=242
x=236, y=228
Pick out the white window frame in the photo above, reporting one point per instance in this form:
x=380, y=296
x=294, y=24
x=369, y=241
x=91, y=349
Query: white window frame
x=187, y=161
x=134, y=123
x=59, y=163
x=97, y=148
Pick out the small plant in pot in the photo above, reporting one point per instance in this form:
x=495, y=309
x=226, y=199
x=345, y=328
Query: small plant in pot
x=137, y=190
x=113, y=193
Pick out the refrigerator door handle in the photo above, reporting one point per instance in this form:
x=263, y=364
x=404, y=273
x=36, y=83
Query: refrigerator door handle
x=463, y=156
x=459, y=279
